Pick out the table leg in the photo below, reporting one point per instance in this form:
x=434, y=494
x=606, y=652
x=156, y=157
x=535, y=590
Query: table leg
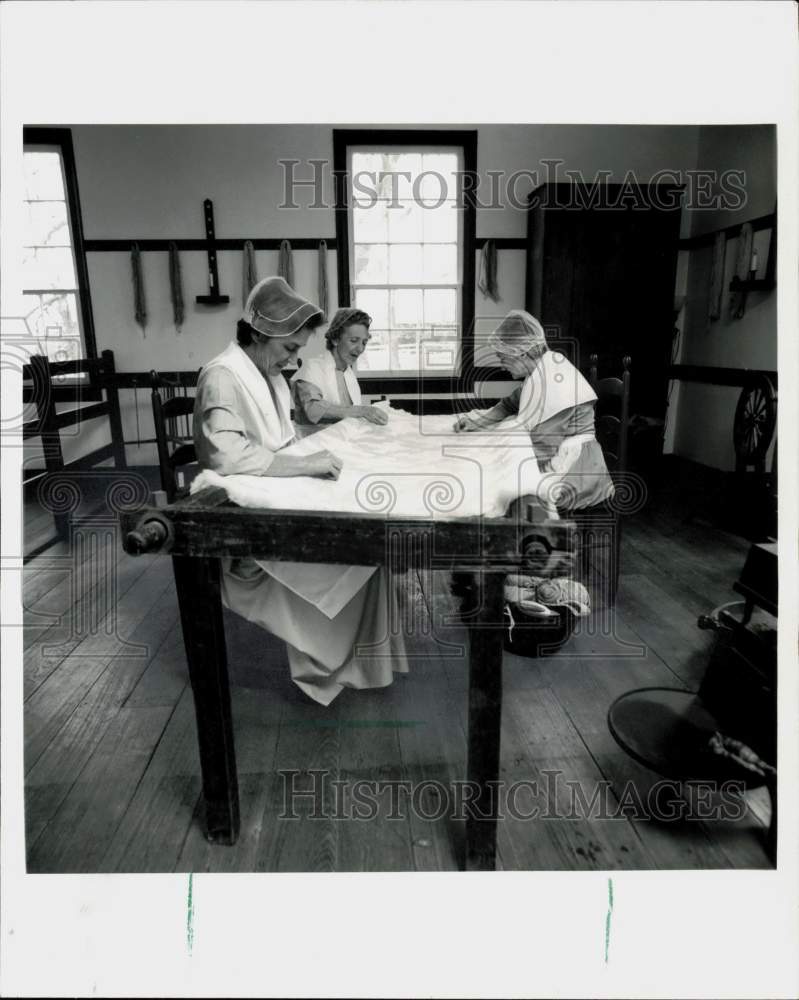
x=485, y=714
x=200, y=601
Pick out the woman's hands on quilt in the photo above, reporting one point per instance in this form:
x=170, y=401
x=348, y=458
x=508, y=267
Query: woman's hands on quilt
x=371, y=413
x=323, y=465
x=467, y=423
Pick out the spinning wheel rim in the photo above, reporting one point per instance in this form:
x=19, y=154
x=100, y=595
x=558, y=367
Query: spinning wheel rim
x=755, y=420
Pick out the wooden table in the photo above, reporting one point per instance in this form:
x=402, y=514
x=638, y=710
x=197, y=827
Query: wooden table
x=198, y=531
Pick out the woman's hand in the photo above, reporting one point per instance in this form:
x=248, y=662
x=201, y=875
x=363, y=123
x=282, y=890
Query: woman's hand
x=372, y=414
x=323, y=465
x=464, y=424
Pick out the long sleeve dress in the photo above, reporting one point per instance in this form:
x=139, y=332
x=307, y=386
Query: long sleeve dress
x=555, y=404
x=340, y=623
x=316, y=385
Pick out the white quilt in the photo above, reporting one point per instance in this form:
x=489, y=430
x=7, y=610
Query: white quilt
x=411, y=466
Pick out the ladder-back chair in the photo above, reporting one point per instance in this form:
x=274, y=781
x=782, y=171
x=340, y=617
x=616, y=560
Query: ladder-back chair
x=599, y=527
x=172, y=418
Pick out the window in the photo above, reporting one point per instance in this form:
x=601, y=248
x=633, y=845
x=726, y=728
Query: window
x=53, y=266
x=405, y=243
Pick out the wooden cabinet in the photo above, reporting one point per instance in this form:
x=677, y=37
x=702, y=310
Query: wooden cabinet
x=601, y=270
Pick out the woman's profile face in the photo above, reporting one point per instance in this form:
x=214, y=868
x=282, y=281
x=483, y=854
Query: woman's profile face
x=514, y=366
x=352, y=343
x=272, y=354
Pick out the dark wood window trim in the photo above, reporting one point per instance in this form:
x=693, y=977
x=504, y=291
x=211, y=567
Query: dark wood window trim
x=62, y=137
x=342, y=138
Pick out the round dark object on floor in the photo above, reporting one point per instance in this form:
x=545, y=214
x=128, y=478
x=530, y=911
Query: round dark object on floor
x=669, y=731
x=534, y=635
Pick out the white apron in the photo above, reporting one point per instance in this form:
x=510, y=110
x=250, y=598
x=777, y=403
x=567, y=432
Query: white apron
x=555, y=385
x=320, y=610
x=321, y=372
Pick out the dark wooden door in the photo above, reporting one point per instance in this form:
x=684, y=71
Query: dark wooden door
x=601, y=279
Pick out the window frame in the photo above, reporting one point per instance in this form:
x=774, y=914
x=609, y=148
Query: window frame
x=343, y=139
x=61, y=138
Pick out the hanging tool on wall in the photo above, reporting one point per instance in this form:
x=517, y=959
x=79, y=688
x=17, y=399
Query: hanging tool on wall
x=322, y=294
x=176, y=286
x=742, y=269
x=285, y=264
x=249, y=278
x=487, y=281
x=140, y=303
x=214, y=298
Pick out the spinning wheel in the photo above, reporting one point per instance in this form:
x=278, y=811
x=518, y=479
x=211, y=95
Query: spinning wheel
x=755, y=420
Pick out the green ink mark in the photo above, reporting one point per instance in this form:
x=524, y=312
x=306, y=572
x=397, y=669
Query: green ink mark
x=607, y=919
x=190, y=917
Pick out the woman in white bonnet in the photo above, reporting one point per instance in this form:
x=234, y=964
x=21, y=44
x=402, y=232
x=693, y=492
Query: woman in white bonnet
x=555, y=405
x=336, y=620
x=325, y=388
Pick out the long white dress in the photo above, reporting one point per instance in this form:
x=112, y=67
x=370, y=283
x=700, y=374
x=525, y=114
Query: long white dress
x=340, y=623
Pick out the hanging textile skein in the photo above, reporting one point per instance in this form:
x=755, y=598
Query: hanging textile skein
x=488, y=271
x=176, y=287
x=742, y=263
x=717, y=277
x=249, y=277
x=140, y=303
x=285, y=265
x=322, y=295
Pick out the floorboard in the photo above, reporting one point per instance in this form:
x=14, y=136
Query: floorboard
x=112, y=770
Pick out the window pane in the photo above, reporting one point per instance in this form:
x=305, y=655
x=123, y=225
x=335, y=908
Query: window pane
x=401, y=170
x=405, y=264
x=405, y=351
x=370, y=225
x=440, y=180
x=440, y=263
x=440, y=354
x=376, y=357
x=405, y=223
x=43, y=176
x=440, y=225
x=371, y=264
x=47, y=224
x=375, y=303
x=440, y=308
x=371, y=162
x=365, y=177
x=387, y=169
x=53, y=319
x=48, y=268
x=408, y=247
x=406, y=307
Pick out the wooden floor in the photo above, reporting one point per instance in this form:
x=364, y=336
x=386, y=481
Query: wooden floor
x=111, y=765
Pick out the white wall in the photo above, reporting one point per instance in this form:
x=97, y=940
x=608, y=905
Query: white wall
x=139, y=182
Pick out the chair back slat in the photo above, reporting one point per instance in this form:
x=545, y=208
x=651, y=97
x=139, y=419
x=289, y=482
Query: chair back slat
x=612, y=419
x=609, y=387
x=178, y=406
x=165, y=414
x=611, y=426
x=184, y=454
x=608, y=432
